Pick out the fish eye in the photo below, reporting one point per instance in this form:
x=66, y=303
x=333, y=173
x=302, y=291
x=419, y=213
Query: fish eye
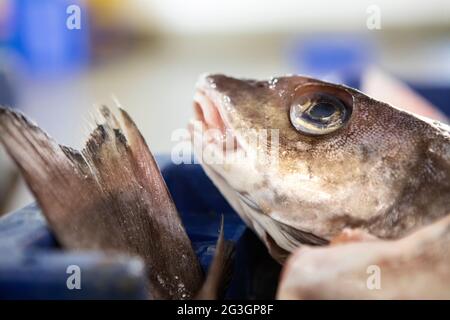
x=318, y=113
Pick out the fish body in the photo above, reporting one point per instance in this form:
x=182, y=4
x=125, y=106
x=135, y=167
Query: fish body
x=330, y=158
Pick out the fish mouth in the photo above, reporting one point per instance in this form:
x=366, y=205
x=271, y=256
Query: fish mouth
x=208, y=112
x=208, y=107
x=213, y=120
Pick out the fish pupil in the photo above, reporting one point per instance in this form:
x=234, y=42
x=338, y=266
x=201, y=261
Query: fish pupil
x=322, y=110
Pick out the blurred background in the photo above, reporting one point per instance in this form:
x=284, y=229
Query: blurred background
x=59, y=58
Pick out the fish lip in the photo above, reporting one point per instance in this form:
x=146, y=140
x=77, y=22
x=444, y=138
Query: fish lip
x=209, y=110
x=206, y=100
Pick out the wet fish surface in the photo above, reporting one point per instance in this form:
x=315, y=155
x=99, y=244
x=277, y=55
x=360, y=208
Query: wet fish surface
x=341, y=160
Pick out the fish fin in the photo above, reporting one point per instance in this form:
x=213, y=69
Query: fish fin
x=278, y=253
x=281, y=238
x=109, y=196
x=220, y=270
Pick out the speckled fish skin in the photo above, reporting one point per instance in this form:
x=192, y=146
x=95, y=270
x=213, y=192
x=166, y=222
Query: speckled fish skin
x=386, y=171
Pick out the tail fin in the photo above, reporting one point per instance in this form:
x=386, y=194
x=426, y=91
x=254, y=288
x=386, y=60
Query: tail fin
x=109, y=196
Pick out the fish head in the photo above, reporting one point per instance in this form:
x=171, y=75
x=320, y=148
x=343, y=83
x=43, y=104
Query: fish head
x=301, y=159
